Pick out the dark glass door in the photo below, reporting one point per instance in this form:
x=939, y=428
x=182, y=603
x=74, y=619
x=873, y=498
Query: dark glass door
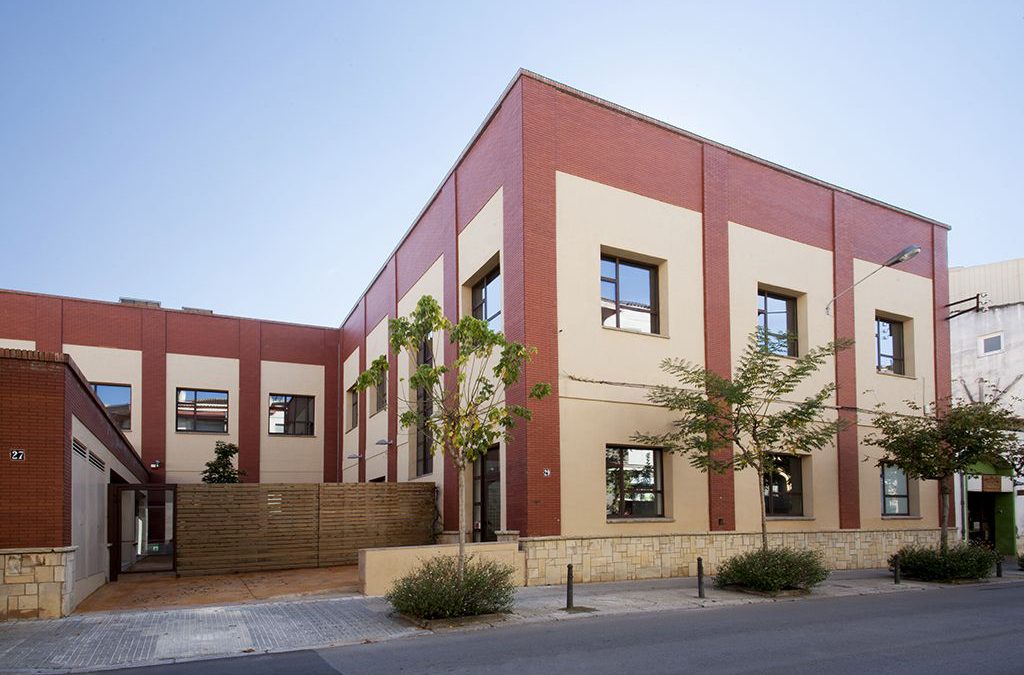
x=487, y=496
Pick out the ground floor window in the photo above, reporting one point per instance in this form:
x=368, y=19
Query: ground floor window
x=895, y=492
x=633, y=482
x=784, y=486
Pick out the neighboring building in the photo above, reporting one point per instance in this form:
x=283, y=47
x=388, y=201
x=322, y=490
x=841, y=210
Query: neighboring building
x=987, y=351
x=60, y=452
x=609, y=241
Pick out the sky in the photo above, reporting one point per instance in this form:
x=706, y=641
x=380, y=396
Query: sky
x=264, y=158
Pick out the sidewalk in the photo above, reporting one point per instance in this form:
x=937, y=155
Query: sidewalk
x=100, y=640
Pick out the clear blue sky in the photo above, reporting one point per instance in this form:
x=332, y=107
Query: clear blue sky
x=262, y=159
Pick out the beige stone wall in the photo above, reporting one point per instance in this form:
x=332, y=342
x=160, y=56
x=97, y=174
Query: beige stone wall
x=36, y=583
x=376, y=420
x=114, y=366
x=675, y=555
x=379, y=568
x=292, y=459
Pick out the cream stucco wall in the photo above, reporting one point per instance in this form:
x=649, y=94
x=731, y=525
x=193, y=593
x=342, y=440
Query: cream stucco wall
x=903, y=295
x=188, y=452
x=376, y=420
x=431, y=283
x=758, y=260
x=10, y=343
x=603, y=371
x=89, y=512
x=924, y=495
x=350, y=431
x=291, y=459
x=114, y=366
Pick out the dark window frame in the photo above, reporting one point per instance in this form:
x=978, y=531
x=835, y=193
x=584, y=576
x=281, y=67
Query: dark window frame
x=792, y=337
x=480, y=302
x=425, y=406
x=658, y=488
x=898, y=357
x=353, y=409
x=886, y=496
x=654, y=312
x=178, y=415
x=106, y=407
x=380, y=396
x=309, y=425
x=770, y=503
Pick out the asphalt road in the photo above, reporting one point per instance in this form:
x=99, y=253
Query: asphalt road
x=972, y=629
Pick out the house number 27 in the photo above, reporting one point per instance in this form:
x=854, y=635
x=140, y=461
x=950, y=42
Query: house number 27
x=17, y=455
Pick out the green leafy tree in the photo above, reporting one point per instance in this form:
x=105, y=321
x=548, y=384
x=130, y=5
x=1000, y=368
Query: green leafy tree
x=746, y=421
x=459, y=405
x=221, y=469
x=938, y=445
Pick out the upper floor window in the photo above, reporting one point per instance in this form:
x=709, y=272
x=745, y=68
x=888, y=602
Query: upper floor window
x=889, y=346
x=353, y=408
x=633, y=483
x=895, y=492
x=291, y=415
x=380, y=397
x=784, y=486
x=487, y=299
x=425, y=406
x=202, y=410
x=117, y=399
x=629, y=295
x=776, y=318
x=990, y=344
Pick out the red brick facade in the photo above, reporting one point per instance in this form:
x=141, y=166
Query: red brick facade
x=39, y=394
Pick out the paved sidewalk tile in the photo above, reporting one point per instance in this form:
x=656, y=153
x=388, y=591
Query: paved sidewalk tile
x=89, y=641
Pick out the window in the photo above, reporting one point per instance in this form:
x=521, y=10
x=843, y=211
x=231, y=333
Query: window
x=990, y=344
x=487, y=300
x=629, y=295
x=784, y=486
x=895, y=492
x=117, y=399
x=889, y=346
x=380, y=396
x=353, y=408
x=291, y=415
x=424, y=456
x=202, y=410
x=776, y=318
x=633, y=484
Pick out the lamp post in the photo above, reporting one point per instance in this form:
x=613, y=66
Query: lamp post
x=901, y=257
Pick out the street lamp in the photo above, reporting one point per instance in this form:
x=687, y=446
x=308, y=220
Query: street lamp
x=901, y=257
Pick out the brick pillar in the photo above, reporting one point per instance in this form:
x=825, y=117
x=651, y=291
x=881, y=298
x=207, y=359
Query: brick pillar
x=847, y=444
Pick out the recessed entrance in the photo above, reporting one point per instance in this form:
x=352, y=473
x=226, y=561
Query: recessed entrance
x=487, y=496
x=140, y=528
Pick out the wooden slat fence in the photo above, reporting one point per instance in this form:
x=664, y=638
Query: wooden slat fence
x=273, y=526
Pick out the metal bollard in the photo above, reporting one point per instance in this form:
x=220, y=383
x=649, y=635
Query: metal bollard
x=700, y=577
x=896, y=568
x=568, y=588
x=999, y=568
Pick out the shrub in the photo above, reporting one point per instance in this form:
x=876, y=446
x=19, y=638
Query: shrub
x=432, y=591
x=773, y=570
x=963, y=561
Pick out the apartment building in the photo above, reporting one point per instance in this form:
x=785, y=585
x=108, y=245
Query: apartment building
x=609, y=241
x=987, y=349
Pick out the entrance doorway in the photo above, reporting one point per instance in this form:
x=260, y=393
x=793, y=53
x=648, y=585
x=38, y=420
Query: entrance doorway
x=140, y=528
x=487, y=496
x=981, y=518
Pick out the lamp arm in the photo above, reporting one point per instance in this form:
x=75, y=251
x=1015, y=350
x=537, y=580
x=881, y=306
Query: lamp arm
x=828, y=307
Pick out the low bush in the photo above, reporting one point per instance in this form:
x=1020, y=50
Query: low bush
x=963, y=561
x=774, y=570
x=433, y=591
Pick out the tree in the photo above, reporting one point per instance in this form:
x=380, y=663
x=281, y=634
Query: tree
x=938, y=445
x=458, y=405
x=221, y=469
x=747, y=421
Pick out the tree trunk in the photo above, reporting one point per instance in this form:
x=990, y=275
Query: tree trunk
x=462, y=522
x=764, y=518
x=944, y=536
